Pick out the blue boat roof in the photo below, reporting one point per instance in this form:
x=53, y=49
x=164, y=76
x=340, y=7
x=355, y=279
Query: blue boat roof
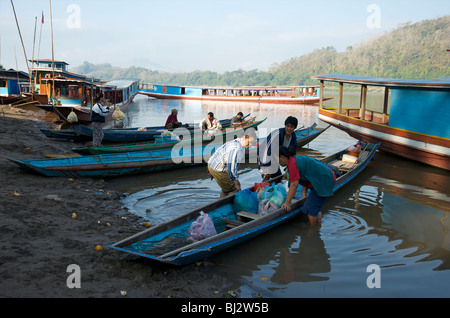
x=383, y=81
x=122, y=83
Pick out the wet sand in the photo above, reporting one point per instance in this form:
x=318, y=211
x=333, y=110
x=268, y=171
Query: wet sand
x=39, y=238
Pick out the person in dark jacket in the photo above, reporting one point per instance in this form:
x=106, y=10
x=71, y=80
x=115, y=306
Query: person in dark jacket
x=98, y=117
x=268, y=149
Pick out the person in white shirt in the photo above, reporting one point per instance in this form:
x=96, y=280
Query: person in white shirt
x=210, y=125
x=223, y=164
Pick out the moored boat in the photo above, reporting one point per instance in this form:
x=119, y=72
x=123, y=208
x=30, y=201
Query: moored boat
x=84, y=133
x=11, y=83
x=167, y=141
x=167, y=242
x=116, y=135
x=254, y=94
x=116, y=164
x=179, y=155
x=414, y=125
x=64, y=91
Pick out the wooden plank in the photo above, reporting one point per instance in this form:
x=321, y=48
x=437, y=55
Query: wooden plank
x=248, y=215
x=230, y=223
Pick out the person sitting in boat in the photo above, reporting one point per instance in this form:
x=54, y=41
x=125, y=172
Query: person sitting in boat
x=98, y=117
x=223, y=164
x=172, y=120
x=237, y=120
x=267, y=151
x=210, y=124
x=314, y=176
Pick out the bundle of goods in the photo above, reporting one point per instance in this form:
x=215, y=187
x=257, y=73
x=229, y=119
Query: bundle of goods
x=264, y=198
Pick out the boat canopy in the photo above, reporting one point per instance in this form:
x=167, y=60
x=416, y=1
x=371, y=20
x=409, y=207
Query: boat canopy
x=122, y=83
x=385, y=82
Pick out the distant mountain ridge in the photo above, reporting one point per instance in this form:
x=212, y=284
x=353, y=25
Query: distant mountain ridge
x=415, y=51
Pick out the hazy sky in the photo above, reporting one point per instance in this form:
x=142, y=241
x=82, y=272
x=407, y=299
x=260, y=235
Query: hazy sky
x=190, y=35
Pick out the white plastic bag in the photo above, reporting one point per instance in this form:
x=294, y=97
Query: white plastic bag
x=118, y=115
x=72, y=118
x=266, y=206
x=202, y=228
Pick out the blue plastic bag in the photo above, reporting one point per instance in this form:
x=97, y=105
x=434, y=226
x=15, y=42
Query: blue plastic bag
x=276, y=194
x=246, y=200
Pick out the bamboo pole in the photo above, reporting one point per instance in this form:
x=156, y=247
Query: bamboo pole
x=32, y=55
x=21, y=40
x=53, y=66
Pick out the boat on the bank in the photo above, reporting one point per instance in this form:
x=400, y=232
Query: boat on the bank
x=81, y=134
x=255, y=94
x=61, y=91
x=168, y=242
x=304, y=136
x=179, y=155
x=117, y=164
x=116, y=135
x=170, y=140
x=414, y=125
x=11, y=84
x=65, y=134
x=122, y=93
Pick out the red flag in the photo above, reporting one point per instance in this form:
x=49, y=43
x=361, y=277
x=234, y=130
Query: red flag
x=42, y=17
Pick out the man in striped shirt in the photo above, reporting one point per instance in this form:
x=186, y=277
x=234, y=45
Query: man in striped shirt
x=223, y=164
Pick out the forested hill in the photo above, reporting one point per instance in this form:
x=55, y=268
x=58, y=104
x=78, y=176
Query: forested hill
x=416, y=51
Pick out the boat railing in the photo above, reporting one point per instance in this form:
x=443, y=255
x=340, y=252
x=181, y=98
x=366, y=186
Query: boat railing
x=276, y=94
x=369, y=115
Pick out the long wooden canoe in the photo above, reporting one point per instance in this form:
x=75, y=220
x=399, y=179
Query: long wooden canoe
x=83, y=133
x=117, y=164
x=180, y=155
x=304, y=136
x=167, y=242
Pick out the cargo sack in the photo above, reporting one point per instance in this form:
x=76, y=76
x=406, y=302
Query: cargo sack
x=266, y=206
x=246, y=200
x=276, y=194
x=118, y=115
x=72, y=118
x=259, y=188
x=201, y=228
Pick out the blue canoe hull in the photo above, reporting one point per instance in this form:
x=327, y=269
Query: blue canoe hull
x=117, y=164
x=142, y=243
x=83, y=133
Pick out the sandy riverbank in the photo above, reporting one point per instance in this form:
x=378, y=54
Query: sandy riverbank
x=40, y=239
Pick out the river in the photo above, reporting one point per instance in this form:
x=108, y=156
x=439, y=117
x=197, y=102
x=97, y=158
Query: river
x=386, y=234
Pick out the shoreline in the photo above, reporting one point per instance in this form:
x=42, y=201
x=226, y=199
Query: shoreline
x=40, y=238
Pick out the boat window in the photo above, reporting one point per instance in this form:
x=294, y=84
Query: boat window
x=183, y=90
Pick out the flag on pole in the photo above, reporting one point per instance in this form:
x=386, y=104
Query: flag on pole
x=42, y=17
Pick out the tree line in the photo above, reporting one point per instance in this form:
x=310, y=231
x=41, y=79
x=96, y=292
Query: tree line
x=414, y=51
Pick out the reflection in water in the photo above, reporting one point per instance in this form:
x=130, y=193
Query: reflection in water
x=292, y=266
x=395, y=214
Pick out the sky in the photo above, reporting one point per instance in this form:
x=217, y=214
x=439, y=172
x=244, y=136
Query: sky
x=189, y=35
